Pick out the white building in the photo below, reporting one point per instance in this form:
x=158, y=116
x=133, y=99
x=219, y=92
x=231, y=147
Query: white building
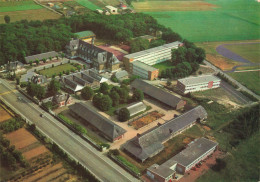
x=193, y=84
x=111, y=9
x=143, y=70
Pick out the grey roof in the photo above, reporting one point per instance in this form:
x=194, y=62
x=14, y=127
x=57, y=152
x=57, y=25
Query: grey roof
x=41, y=56
x=144, y=66
x=135, y=108
x=13, y=65
x=194, y=80
x=150, y=142
x=107, y=127
x=155, y=49
x=161, y=170
x=156, y=93
x=60, y=97
x=121, y=74
x=194, y=151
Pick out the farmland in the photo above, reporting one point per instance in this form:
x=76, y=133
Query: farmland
x=18, y=6
x=56, y=70
x=231, y=20
x=250, y=79
x=88, y=4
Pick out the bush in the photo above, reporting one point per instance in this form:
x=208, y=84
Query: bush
x=114, y=152
x=87, y=93
x=123, y=114
x=106, y=145
x=23, y=84
x=114, y=79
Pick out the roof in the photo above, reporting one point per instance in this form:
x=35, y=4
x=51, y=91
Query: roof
x=85, y=34
x=161, y=170
x=150, y=142
x=41, y=56
x=136, y=107
x=121, y=74
x=198, y=80
x=144, y=66
x=194, y=151
x=156, y=93
x=110, y=7
x=107, y=127
x=154, y=50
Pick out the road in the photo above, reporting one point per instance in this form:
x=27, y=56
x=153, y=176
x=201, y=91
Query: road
x=76, y=147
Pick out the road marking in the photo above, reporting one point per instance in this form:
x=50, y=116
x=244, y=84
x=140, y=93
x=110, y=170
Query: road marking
x=5, y=93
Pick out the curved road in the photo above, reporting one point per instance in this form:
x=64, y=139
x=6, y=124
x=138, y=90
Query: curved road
x=76, y=147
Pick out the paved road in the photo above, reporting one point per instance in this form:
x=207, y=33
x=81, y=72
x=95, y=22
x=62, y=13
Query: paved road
x=75, y=146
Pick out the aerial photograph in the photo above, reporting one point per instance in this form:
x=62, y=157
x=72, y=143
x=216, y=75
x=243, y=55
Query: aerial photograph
x=129, y=90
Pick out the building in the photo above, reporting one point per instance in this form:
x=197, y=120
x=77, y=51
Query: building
x=85, y=35
x=183, y=161
x=134, y=108
x=152, y=56
x=40, y=57
x=107, y=128
x=193, y=84
x=75, y=82
x=144, y=71
x=38, y=79
x=14, y=65
x=120, y=75
x=98, y=58
x=62, y=100
x=159, y=94
x=111, y=10
x=151, y=142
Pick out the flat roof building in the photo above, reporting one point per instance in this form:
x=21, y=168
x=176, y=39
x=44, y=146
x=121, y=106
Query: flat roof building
x=198, y=83
x=144, y=70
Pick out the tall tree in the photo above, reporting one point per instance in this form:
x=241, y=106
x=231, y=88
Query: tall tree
x=87, y=93
x=138, y=95
x=123, y=114
x=7, y=19
x=53, y=87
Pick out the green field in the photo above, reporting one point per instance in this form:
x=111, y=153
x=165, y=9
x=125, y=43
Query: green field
x=232, y=20
x=18, y=6
x=88, y=4
x=56, y=70
x=250, y=79
x=163, y=65
x=250, y=52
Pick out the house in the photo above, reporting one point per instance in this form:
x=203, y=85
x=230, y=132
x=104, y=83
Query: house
x=99, y=11
x=159, y=94
x=62, y=100
x=98, y=58
x=120, y=75
x=199, y=83
x=195, y=152
x=41, y=56
x=111, y=10
x=38, y=79
x=123, y=6
x=14, y=65
x=85, y=35
x=144, y=70
x=107, y=128
x=152, y=56
x=77, y=81
x=151, y=142
x=134, y=108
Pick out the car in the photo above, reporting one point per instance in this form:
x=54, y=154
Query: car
x=42, y=115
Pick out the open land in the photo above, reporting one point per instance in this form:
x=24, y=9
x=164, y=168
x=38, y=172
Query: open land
x=4, y=115
x=57, y=69
x=18, y=6
x=88, y=4
x=250, y=79
x=231, y=20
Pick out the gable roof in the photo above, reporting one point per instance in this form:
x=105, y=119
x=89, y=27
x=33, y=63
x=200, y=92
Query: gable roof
x=156, y=93
x=107, y=127
x=150, y=142
x=39, y=57
x=85, y=34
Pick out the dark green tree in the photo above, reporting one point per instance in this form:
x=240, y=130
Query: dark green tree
x=53, y=87
x=115, y=98
x=123, y=114
x=87, y=93
x=105, y=103
x=7, y=19
x=104, y=88
x=138, y=95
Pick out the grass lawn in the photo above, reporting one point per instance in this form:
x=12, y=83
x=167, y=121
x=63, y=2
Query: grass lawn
x=232, y=20
x=163, y=65
x=250, y=79
x=57, y=69
x=18, y=6
x=127, y=163
x=250, y=52
x=88, y=4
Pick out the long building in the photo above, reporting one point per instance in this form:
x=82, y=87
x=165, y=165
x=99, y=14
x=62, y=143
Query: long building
x=183, y=161
x=107, y=128
x=41, y=56
x=151, y=142
x=144, y=70
x=199, y=83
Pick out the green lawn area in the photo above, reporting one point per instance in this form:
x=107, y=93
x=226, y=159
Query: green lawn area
x=250, y=52
x=18, y=6
x=232, y=20
x=88, y=4
x=163, y=65
x=249, y=79
x=128, y=164
x=57, y=69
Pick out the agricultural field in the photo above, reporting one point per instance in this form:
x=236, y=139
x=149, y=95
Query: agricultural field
x=18, y=6
x=88, y=4
x=228, y=20
x=57, y=69
x=4, y=115
x=250, y=79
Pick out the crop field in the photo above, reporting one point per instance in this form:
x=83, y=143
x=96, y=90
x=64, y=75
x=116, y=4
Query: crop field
x=4, y=115
x=18, y=6
x=88, y=4
x=250, y=79
x=39, y=14
x=172, y=6
x=230, y=20
x=57, y=69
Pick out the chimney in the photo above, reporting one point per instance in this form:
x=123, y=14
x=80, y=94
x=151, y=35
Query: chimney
x=93, y=41
x=138, y=135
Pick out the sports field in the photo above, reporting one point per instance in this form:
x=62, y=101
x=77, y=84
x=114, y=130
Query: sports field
x=230, y=20
x=88, y=4
x=250, y=79
x=18, y=6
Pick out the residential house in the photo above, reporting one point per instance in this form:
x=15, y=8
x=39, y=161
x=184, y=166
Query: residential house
x=62, y=100
x=38, y=79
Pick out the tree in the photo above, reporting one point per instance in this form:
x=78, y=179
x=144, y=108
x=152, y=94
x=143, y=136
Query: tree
x=44, y=60
x=54, y=87
x=104, y=88
x=115, y=98
x=18, y=80
x=105, y=103
x=87, y=93
x=96, y=100
x=123, y=114
x=114, y=79
x=139, y=45
x=124, y=94
x=138, y=95
x=7, y=19
x=37, y=62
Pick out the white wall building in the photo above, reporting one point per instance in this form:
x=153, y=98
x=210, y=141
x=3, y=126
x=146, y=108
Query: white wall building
x=143, y=70
x=193, y=84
